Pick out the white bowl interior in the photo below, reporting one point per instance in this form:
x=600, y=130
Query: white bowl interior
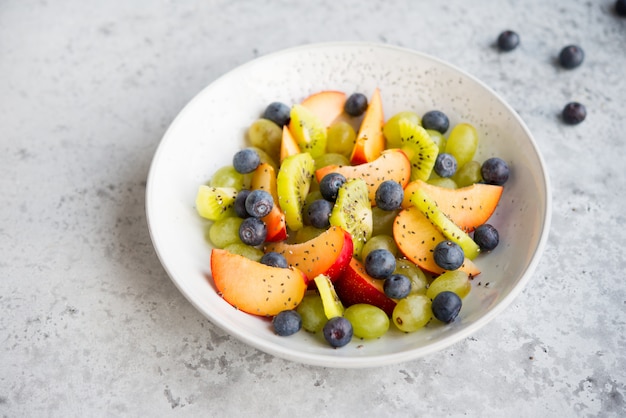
x=212, y=127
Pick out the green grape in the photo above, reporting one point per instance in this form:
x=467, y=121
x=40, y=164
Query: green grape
x=454, y=281
x=227, y=176
x=266, y=135
x=311, y=310
x=438, y=139
x=462, y=143
x=368, y=321
x=330, y=159
x=391, y=131
x=468, y=174
x=383, y=221
x=341, y=139
x=412, y=313
x=248, y=251
x=446, y=182
x=419, y=281
x=379, y=241
x=225, y=231
x=306, y=233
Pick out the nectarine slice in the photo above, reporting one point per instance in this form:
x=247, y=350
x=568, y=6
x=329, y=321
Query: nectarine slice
x=370, y=141
x=417, y=237
x=327, y=106
x=256, y=288
x=392, y=164
x=468, y=207
x=356, y=286
x=328, y=253
x=288, y=146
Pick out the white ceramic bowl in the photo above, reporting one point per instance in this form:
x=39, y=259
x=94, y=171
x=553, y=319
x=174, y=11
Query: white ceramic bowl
x=212, y=127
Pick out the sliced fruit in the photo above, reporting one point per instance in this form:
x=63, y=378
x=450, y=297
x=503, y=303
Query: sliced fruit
x=327, y=106
x=331, y=302
x=256, y=288
x=215, y=203
x=370, y=141
x=417, y=237
x=308, y=130
x=328, y=253
x=468, y=207
x=392, y=164
x=353, y=213
x=264, y=178
x=419, y=147
x=449, y=229
x=293, y=183
x=288, y=145
x=356, y=286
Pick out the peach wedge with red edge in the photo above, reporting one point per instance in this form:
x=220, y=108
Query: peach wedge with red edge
x=288, y=145
x=327, y=105
x=370, y=141
x=392, y=164
x=356, y=286
x=328, y=253
x=468, y=207
x=264, y=178
x=416, y=238
x=256, y=288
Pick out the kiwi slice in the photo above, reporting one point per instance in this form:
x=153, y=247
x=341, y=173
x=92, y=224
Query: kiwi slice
x=353, y=212
x=215, y=203
x=332, y=305
x=292, y=185
x=308, y=130
x=419, y=147
x=448, y=228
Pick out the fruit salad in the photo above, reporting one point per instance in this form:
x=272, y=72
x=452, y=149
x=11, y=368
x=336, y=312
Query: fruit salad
x=336, y=221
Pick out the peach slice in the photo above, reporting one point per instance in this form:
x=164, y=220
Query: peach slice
x=256, y=288
x=264, y=178
x=416, y=237
x=392, y=164
x=288, y=146
x=328, y=253
x=356, y=286
x=370, y=141
x=468, y=207
x=327, y=106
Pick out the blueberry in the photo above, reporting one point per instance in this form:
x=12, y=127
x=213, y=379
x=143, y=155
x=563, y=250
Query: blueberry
x=508, y=40
x=495, y=171
x=287, y=323
x=574, y=113
x=356, y=104
x=274, y=259
x=330, y=185
x=389, y=195
x=446, y=306
x=448, y=255
x=278, y=112
x=338, y=331
x=240, y=203
x=380, y=263
x=620, y=8
x=436, y=120
x=445, y=165
x=397, y=286
x=246, y=160
x=252, y=231
x=571, y=56
x=259, y=203
x=319, y=213
x=487, y=237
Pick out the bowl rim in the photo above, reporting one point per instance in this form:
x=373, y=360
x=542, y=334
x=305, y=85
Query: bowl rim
x=378, y=359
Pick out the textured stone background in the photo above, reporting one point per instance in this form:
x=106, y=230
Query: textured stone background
x=90, y=324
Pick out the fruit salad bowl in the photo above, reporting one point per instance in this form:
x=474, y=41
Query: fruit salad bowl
x=213, y=126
